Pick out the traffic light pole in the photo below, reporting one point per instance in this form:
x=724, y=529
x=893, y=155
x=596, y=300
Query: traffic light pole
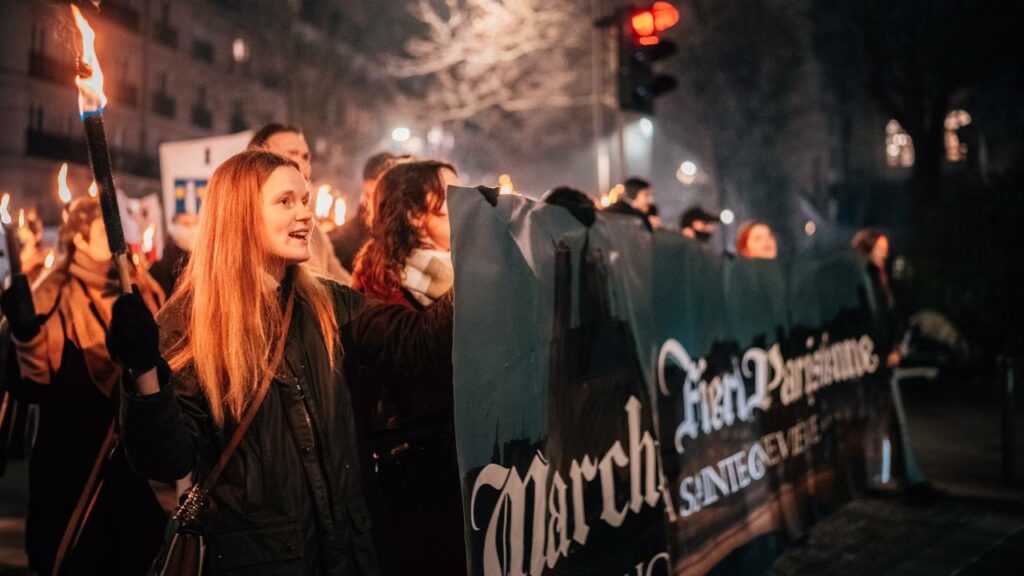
x=598, y=89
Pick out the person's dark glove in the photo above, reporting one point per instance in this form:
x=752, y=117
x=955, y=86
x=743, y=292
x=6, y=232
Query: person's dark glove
x=133, y=339
x=16, y=303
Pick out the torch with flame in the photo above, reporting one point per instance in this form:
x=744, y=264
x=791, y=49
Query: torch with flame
x=63, y=192
x=91, y=102
x=612, y=196
x=505, y=185
x=10, y=236
x=322, y=207
x=147, y=239
x=339, y=211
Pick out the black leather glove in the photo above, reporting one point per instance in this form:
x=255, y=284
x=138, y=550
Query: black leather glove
x=16, y=303
x=133, y=339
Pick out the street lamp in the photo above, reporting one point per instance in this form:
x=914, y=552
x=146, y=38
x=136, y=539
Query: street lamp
x=727, y=217
x=687, y=172
x=646, y=127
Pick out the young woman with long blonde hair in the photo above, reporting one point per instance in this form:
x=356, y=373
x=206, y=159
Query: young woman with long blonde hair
x=289, y=500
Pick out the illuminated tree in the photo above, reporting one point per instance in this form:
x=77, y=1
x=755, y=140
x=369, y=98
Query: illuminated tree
x=513, y=71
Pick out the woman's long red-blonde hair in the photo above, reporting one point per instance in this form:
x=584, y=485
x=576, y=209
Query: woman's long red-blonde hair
x=233, y=317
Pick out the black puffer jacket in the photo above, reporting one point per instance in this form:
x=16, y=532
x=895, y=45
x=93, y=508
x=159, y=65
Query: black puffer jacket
x=290, y=500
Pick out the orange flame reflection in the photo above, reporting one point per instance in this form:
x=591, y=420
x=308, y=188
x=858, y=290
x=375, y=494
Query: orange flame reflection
x=91, y=98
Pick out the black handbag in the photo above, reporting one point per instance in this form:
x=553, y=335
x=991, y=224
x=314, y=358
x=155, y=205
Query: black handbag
x=184, y=547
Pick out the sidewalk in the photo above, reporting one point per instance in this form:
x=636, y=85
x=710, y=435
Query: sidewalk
x=975, y=527
x=883, y=535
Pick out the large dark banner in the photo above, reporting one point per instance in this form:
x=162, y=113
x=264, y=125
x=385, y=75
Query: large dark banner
x=632, y=404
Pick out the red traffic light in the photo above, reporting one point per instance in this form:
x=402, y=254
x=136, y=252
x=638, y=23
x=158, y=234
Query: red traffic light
x=644, y=25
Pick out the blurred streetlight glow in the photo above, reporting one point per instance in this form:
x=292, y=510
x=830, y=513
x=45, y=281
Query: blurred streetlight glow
x=810, y=228
x=401, y=134
x=727, y=217
x=687, y=172
x=646, y=127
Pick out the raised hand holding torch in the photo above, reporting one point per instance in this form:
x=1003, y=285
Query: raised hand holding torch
x=91, y=103
x=123, y=333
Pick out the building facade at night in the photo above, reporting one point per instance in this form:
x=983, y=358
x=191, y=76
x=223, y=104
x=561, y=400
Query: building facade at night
x=175, y=70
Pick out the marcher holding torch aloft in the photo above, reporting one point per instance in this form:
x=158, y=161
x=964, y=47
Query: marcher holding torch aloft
x=88, y=513
x=289, y=500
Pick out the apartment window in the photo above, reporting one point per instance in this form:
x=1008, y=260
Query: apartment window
x=956, y=151
x=238, y=122
x=163, y=104
x=202, y=116
x=35, y=117
x=164, y=32
x=202, y=50
x=38, y=38
x=899, y=148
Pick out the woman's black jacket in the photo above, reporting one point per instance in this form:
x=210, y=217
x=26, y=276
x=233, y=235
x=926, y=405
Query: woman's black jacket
x=290, y=500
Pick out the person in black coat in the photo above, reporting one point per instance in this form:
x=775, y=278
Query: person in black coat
x=113, y=524
x=636, y=200
x=290, y=500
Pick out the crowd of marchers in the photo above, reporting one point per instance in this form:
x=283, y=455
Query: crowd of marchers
x=301, y=378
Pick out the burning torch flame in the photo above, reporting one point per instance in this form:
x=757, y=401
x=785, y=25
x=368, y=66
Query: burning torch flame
x=21, y=218
x=91, y=99
x=323, y=202
x=5, y=216
x=62, y=184
x=505, y=182
x=147, y=239
x=49, y=259
x=93, y=189
x=339, y=212
x=612, y=196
